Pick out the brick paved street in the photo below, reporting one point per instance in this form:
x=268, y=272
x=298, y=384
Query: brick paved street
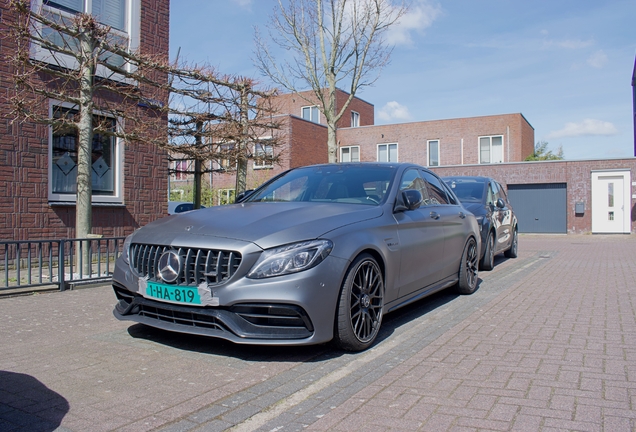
x=548, y=342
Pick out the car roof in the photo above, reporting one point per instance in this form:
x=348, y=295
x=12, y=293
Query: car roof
x=468, y=178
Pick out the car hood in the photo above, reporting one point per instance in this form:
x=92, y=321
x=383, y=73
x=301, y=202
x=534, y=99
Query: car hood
x=265, y=224
x=476, y=208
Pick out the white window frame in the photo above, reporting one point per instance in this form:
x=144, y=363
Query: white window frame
x=388, y=147
x=350, y=150
x=118, y=170
x=490, y=148
x=225, y=164
x=131, y=32
x=428, y=150
x=267, y=149
x=313, y=112
x=355, y=119
x=226, y=196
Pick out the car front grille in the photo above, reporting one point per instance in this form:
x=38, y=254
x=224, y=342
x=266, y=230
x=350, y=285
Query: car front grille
x=197, y=265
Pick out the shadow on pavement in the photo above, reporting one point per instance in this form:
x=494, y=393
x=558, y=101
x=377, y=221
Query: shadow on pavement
x=312, y=353
x=28, y=405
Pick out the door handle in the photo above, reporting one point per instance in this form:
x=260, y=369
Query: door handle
x=434, y=215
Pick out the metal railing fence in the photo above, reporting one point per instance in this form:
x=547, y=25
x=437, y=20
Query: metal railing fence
x=40, y=263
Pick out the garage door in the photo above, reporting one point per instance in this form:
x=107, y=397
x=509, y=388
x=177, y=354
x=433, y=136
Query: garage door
x=540, y=208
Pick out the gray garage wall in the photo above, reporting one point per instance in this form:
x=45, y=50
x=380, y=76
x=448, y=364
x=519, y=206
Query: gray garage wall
x=540, y=208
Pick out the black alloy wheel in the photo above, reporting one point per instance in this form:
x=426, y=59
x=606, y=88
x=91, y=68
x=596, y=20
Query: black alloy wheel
x=468, y=269
x=513, y=251
x=360, y=305
x=488, y=261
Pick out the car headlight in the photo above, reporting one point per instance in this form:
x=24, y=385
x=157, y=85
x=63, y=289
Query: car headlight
x=292, y=258
x=125, y=253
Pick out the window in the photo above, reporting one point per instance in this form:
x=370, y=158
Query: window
x=412, y=179
x=350, y=154
x=387, y=152
x=226, y=196
x=355, y=119
x=106, y=173
x=433, y=153
x=311, y=113
x=123, y=16
x=263, y=155
x=227, y=158
x=436, y=191
x=491, y=149
x=180, y=170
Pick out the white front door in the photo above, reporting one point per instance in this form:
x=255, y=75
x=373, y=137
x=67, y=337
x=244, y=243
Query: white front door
x=610, y=207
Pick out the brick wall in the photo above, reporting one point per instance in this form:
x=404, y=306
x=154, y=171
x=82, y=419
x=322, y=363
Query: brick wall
x=459, y=138
x=24, y=161
x=576, y=174
x=292, y=103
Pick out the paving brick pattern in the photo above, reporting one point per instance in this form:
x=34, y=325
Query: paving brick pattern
x=548, y=342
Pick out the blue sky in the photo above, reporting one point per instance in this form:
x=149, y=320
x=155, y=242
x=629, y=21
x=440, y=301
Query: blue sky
x=566, y=65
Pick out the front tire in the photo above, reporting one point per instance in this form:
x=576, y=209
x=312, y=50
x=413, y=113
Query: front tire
x=468, y=268
x=514, y=246
x=360, y=306
x=488, y=261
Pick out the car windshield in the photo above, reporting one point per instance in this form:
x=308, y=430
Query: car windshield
x=467, y=190
x=354, y=184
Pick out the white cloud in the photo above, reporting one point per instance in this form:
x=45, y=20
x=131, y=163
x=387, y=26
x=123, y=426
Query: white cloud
x=565, y=43
x=420, y=16
x=588, y=127
x=245, y=4
x=597, y=60
x=393, y=111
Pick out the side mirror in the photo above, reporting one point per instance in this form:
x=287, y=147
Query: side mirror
x=500, y=203
x=409, y=199
x=243, y=195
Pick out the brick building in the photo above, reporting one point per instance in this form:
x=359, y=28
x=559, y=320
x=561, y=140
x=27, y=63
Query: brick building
x=488, y=139
x=37, y=199
x=551, y=197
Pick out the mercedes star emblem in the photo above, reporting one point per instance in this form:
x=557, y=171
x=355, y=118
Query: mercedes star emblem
x=169, y=266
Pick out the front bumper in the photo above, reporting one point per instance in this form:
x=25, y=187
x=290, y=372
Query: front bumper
x=297, y=309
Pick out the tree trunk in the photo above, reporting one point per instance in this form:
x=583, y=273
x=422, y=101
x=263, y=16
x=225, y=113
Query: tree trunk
x=332, y=143
x=83, y=208
x=196, y=192
x=332, y=119
x=241, y=163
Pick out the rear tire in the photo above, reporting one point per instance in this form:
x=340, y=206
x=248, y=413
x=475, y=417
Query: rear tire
x=488, y=261
x=514, y=246
x=360, y=306
x=468, y=268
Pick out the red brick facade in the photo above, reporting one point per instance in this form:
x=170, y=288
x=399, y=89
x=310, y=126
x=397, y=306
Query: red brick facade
x=458, y=138
x=576, y=174
x=24, y=160
x=292, y=104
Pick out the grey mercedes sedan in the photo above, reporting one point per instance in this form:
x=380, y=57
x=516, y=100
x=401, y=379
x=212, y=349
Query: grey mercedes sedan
x=317, y=253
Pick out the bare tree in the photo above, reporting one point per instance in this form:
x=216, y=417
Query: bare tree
x=223, y=119
x=95, y=83
x=333, y=44
x=103, y=90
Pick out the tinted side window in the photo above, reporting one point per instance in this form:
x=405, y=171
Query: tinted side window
x=491, y=195
x=451, y=196
x=502, y=193
x=496, y=191
x=411, y=179
x=436, y=191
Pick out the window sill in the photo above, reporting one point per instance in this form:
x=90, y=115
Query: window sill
x=95, y=204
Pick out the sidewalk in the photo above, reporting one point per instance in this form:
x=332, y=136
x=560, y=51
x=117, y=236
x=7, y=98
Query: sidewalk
x=548, y=342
